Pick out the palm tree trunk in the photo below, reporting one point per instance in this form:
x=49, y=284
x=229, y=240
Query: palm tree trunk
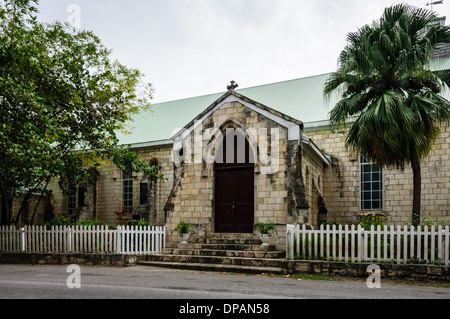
x=417, y=192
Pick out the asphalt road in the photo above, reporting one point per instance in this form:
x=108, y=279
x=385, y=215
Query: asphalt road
x=141, y=282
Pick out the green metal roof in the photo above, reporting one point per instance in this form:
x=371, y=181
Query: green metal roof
x=301, y=99
x=162, y=121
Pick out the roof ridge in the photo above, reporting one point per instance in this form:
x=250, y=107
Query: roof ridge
x=243, y=89
x=189, y=98
x=286, y=81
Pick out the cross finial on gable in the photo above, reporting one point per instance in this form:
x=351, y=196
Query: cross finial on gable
x=233, y=86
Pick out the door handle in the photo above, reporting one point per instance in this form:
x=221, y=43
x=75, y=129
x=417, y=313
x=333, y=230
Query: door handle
x=232, y=206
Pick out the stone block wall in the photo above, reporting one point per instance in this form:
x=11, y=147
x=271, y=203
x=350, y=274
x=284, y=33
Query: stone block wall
x=34, y=211
x=341, y=182
x=109, y=190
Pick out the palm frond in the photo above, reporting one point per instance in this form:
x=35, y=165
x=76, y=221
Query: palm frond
x=347, y=108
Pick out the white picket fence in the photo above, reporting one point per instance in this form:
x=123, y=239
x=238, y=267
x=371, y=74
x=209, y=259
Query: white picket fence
x=380, y=244
x=140, y=240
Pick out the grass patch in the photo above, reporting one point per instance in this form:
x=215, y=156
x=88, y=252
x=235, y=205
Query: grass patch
x=313, y=277
x=293, y=276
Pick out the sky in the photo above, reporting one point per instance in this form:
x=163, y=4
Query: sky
x=188, y=48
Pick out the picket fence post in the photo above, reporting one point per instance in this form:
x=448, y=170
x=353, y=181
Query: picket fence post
x=447, y=245
x=69, y=239
x=22, y=239
x=119, y=240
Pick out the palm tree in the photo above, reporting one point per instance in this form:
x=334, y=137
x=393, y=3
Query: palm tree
x=389, y=93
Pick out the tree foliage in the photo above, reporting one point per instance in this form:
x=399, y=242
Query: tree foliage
x=389, y=91
x=62, y=100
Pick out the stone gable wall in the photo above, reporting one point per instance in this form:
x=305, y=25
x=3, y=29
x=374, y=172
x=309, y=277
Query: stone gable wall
x=193, y=200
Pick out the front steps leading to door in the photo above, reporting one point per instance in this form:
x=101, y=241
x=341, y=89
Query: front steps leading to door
x=239, y=253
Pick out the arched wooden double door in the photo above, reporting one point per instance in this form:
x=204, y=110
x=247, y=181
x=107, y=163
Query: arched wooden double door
x=234, y=186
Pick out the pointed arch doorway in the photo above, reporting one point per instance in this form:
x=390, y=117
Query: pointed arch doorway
x=234, y=188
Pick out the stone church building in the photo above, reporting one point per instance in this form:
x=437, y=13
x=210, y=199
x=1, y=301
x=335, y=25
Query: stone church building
x=263, y=153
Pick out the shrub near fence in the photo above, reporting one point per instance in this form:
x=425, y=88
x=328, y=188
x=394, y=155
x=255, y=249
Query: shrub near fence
x=140, y=240
x=379, y=244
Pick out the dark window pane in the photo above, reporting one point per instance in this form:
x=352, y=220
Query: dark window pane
x=376, y=168
x=376, y=177
x=81, y=196
x=366, y=205
x=143, y=198
x=376, y=196
x=376, y=186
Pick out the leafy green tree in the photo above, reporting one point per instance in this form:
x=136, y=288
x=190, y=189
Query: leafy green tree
x=389, y=91
x=62, y=100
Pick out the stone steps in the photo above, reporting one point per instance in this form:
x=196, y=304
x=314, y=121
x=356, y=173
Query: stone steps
x=247, y=253
x=228, y=246
x=216, y=267
x=233, y=239
x=240, y=253
x=223, y=260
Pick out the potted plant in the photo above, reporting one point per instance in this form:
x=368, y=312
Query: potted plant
x=121, y=213
x=184, y=230
x=265, y=228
